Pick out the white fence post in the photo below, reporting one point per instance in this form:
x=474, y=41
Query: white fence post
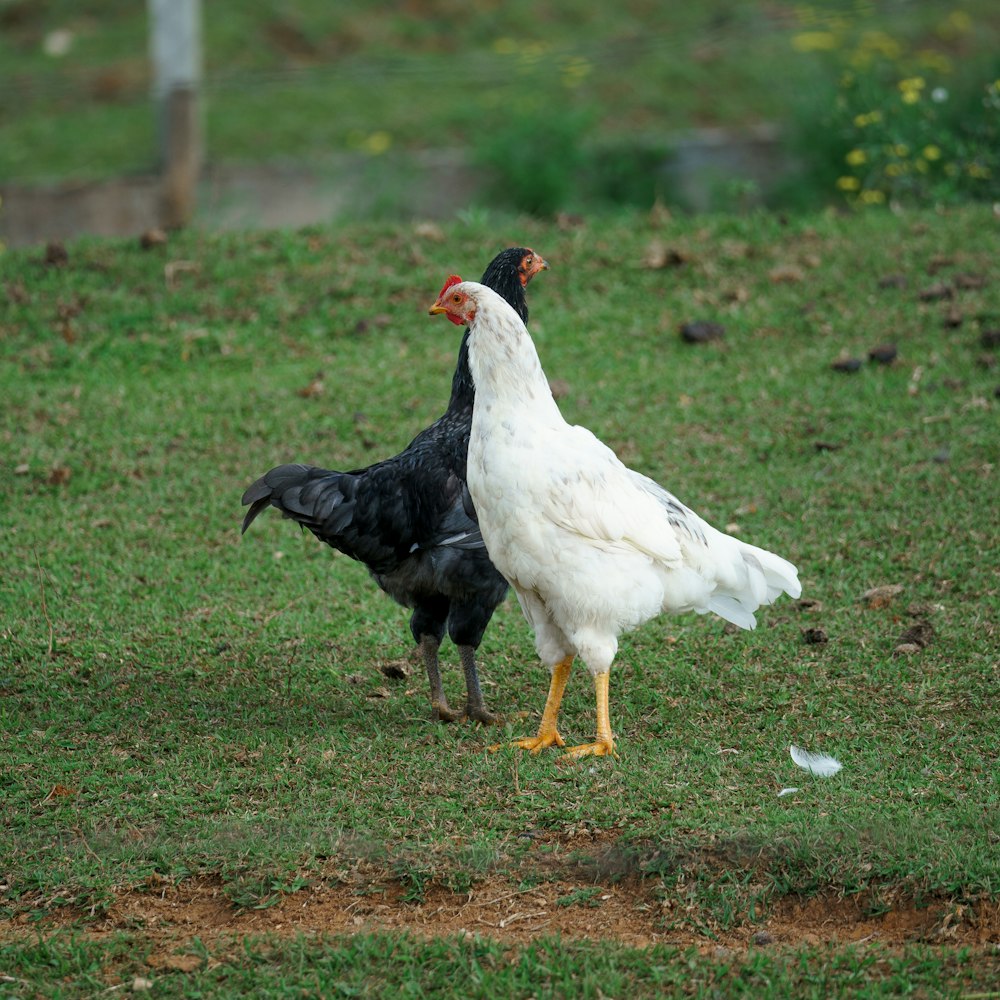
x=175, y=46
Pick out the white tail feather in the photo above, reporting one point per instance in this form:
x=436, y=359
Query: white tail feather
x=780, y=576
x=767, y=577
x=732, y=610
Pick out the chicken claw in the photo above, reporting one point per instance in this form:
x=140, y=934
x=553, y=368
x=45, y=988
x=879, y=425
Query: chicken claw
x=441, y=712
x=475, y=707
x=533, y=743
x=540, y=742
x=548, y=734
x=600, y=748
x=604, y=745
x=480, y=713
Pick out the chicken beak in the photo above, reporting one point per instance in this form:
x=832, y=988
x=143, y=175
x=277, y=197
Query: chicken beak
x=541, y=264
x=436, y=309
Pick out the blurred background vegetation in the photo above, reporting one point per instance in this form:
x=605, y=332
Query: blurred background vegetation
x=566, y=104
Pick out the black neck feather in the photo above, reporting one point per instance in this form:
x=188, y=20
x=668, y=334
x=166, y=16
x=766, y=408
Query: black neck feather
x=504, y=277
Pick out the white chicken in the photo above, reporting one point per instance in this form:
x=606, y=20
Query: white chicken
x=591, y=548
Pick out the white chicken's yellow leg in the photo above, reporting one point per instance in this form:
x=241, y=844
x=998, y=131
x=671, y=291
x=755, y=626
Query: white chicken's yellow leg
x=605, y=743
x=548, y=735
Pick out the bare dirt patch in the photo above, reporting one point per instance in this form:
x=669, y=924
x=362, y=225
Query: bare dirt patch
x=632, y=911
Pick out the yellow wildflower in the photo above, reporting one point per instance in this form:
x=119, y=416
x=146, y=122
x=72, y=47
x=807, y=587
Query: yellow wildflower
x=377, y=143
x=848, y=183
x=955, y=24
x=895, y=169
x=871, y=197
x=959, y=21
x=910, y=89
x=574, y=71
x=871, y=118
x=530, y=53
x=978, y=171
x=814, y=41
x=900, y=150
x=934, y=60
x=932, y=152
x=881, y=43
x=856, y=157
x=921, y=165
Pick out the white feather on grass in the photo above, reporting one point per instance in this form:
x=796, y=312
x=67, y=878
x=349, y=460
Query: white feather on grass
x=816, y=763
x=786, y=791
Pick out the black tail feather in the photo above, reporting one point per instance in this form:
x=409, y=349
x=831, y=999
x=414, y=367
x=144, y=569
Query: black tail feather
x=318, y=499
x=255, y=508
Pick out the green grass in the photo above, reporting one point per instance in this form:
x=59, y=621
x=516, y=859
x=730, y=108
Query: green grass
x=178, y=701
x=315, y=78
x=383, y=965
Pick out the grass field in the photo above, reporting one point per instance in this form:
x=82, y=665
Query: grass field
x=308, y=78
x=210, y=784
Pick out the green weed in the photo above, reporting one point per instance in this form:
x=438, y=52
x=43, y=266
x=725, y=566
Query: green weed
x=913, y=121
x=584, y=896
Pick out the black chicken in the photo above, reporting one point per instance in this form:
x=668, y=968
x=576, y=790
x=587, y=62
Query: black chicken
x=410, y=519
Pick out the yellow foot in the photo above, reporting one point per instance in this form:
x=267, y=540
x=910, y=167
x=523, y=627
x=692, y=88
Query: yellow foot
x=601, y=748
x=533, y=743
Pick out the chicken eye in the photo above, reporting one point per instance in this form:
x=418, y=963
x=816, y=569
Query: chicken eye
x=528, y=261
x=456, y=298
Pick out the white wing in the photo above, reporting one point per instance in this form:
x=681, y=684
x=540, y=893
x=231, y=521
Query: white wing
x=587, y=490
x=592, y=494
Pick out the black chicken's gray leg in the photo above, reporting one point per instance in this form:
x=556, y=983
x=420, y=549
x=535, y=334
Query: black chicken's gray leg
x=475, y=708
x=440, y=712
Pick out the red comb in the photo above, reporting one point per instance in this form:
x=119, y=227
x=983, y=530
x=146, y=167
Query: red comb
x=453, y=279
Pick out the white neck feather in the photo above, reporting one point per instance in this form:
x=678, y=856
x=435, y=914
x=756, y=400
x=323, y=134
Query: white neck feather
x=503, y=359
